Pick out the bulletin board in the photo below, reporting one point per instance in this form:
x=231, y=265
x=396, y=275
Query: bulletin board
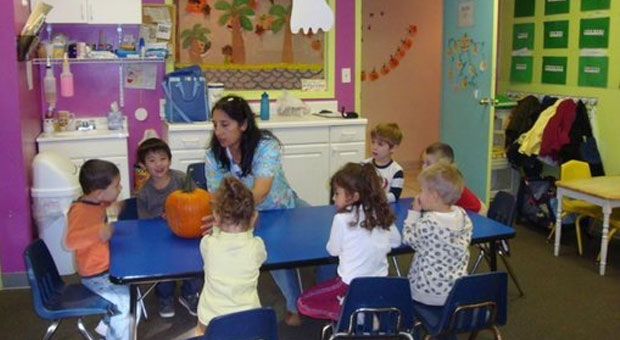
x=247, y=44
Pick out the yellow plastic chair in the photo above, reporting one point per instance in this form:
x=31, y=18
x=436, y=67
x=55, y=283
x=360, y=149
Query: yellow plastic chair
x=576, y=170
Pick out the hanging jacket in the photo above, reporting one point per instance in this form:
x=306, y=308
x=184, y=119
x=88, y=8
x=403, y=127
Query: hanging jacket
x=530, y=141
x=522, y=118
x=582, y=145
x=556, y=132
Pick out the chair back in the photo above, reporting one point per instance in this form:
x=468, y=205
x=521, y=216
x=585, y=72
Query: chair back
x=574, y=169
x=198, y=174
x=503, y=208
x=129, y=210
x=376, y=306
x=475, y=302
x=258, y=323
x=43, y=276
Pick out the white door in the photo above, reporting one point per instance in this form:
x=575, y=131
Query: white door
x=115, y=11
x=342, y=153
x=64, y=11
x=304, y=167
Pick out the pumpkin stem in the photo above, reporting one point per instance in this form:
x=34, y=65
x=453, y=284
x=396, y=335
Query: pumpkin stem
x=187, y=183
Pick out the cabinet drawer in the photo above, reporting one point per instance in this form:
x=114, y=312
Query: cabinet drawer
x=182, y=140
x=353, y=133
x=302, y=135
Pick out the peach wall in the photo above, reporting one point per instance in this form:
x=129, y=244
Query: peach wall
x=410, y=94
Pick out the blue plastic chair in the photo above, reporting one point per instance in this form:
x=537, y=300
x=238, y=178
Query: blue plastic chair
x=258, y=323
x=503, y=210
x=375, y=307
x=198, y=174
x=129, y=210
x=55, y=300
x=476, y=302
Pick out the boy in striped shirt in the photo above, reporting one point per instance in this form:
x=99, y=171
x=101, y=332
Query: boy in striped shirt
x=386, y=137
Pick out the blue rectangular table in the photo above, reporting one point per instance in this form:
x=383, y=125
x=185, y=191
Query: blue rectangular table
x=143, y=251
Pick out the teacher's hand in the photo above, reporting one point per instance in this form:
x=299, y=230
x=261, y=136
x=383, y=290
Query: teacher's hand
x=206, y=225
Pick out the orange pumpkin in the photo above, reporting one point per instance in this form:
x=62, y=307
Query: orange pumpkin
x=185, y=209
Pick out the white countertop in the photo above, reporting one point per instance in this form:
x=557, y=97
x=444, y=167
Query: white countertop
x=101, y=132
x=275, y=122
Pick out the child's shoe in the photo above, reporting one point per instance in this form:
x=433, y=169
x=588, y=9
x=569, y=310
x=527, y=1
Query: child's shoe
x=190, y=302
x=166, y=307
x=292, y=319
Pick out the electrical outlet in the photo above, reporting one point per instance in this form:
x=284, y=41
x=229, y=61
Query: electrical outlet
x=346, y=75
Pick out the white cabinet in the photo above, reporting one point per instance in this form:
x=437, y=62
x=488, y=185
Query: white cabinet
x=112, y=148
x=312, y=149
x=94, y=11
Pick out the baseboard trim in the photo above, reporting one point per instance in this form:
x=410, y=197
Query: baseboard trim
x=15, y=280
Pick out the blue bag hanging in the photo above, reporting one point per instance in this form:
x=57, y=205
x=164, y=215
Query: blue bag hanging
x=186, y=96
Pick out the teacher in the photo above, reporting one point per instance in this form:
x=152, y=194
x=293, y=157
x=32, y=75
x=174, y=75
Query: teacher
x=239, y=148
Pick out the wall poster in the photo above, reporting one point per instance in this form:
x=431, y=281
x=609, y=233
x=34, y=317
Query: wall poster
x=556, y=7
x=594, y=33
x=246, y=44
x=521, y=69
x=524, y=8
x=592, y=5
x=554, y=70
x=523, y=36
x=556, y=34
x=593, y=71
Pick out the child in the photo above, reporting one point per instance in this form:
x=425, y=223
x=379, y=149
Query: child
x=386, y=137
x=232, y=255
x=439, y=233
x=154, y=156
x=441, y=152
x=88, y=234
x=362, y=234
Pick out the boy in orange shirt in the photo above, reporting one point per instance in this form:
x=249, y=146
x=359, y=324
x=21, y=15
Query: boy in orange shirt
x=88, y=236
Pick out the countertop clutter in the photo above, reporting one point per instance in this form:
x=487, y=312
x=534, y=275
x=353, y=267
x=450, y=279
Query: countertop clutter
x=99, y=130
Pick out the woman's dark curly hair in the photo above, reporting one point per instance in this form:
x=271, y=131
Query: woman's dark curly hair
x=239, y=110
x=363, y=179
x=234, y=202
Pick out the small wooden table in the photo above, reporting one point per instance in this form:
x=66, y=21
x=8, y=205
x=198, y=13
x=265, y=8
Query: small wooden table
x=603, y=191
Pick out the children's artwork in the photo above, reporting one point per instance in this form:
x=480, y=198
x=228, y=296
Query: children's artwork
x=247, y=44
x=140, y=76
x=524, y=8
x=592, y=5
x=467, y=61
x=556, y=34
x=594, y=33
x=593, y=71
x=556, y=7
x=554, y=70
x=523, y=36
x=521, y=69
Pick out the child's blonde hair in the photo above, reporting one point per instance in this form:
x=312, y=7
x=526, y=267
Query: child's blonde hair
x=234, y=202
x=445, y=179
x=388, y=132
x=442, y=151
x=363, y=179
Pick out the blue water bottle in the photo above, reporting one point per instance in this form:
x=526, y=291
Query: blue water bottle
x=264, y=106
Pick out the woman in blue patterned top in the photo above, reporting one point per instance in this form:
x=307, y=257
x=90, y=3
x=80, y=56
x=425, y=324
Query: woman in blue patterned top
x=253, y=155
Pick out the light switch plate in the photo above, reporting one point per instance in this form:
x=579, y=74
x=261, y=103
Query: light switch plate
x=162, y=110
x=346, y=75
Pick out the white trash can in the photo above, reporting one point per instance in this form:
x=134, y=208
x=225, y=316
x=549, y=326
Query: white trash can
x=55, y=185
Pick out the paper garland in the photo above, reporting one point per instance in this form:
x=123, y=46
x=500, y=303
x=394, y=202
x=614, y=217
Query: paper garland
x=394, y=60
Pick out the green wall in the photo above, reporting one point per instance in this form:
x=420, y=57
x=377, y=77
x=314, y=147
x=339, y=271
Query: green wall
x=607, y=114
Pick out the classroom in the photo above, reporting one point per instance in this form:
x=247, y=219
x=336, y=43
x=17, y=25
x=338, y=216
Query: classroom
x=285, y=103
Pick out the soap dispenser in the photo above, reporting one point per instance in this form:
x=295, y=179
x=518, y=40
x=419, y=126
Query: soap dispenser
x=66, y=79
x=264, y=106
x=49, y=85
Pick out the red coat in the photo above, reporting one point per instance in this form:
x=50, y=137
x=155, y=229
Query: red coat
x=556, y=132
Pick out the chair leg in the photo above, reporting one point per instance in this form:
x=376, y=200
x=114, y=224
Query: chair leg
x=51, y=329
x=83, y=330
x=496, y=333
x=324, y=330
x=510, y=272
x=396, y=267
x=551, y=233
x=478, y=260
x=578, y=232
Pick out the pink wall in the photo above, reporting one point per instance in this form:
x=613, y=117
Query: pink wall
x=20, y=125
x=95, y=87
x=410, y=94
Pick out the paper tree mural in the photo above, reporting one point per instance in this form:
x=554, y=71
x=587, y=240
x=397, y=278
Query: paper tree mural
x=236, y=14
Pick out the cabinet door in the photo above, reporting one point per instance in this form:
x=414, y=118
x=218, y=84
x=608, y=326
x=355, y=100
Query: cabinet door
x=64, y=11
x=342, y=153
x=305, y=167
x=182, y=158
x=123, y=166
x=114, y=11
